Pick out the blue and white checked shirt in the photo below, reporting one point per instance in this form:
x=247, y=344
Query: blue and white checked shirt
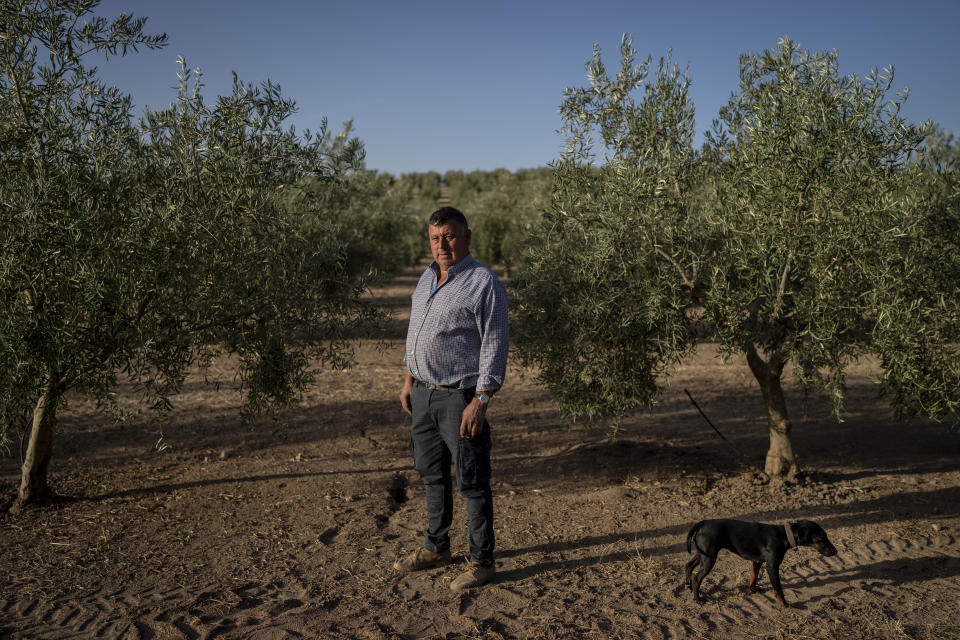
x=458, y=332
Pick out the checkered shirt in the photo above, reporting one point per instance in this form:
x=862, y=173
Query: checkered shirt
x=458, y=333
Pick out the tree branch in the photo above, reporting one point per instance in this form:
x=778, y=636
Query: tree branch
x=686, y=280
x=783, y=283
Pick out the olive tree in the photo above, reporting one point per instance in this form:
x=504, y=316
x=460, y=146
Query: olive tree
x=134, y=248
x=504, y=214
x=600, y=308
x=375, y=216
x=795, y=236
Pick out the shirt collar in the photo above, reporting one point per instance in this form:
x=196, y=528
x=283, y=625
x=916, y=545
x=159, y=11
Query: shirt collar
x=457, y=268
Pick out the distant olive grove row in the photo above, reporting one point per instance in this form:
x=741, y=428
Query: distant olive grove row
x=814, y=226
x=390, y=212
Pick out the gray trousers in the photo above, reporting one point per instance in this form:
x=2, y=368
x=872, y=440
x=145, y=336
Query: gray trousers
x=436, y=442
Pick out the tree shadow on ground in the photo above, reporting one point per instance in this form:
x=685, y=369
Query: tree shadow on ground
x=218, y=429
x=163, y=489
x=673, y=440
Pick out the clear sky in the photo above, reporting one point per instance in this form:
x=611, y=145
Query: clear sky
x=437, y=85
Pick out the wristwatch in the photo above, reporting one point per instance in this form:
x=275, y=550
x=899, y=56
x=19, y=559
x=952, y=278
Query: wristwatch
x=483, y=398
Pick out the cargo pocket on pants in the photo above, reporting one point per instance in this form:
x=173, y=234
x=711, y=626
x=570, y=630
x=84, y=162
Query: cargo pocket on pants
x=473, y=461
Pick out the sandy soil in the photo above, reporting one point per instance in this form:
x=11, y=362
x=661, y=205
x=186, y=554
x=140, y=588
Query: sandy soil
x=289, y=529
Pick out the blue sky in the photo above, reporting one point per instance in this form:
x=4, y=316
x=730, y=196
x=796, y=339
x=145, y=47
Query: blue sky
x=476, y=85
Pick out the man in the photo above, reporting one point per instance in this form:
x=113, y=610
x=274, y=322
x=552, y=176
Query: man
x=456, y=359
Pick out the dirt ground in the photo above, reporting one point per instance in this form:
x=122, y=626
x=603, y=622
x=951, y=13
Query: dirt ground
x=290, y=529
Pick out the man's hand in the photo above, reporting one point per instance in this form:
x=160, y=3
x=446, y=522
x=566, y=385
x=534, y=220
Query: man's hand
x=471, y=423
x=405, y=394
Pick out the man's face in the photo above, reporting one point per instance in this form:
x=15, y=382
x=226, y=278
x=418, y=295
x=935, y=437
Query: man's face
x=449, y=243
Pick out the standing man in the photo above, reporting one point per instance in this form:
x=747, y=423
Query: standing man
x=456, y=359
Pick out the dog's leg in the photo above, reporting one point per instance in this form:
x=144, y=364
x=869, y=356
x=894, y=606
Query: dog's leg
x=706, y=564
x=688, y=571
x=773, y=571
x=754, y=574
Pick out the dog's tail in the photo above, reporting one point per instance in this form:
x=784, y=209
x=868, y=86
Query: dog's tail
x=693, y=531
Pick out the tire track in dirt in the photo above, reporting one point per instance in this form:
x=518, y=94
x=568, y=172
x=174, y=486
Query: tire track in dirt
x=821, y=588
x=160, y=613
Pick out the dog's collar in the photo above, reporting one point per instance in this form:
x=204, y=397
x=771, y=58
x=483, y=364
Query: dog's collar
x=790, y=539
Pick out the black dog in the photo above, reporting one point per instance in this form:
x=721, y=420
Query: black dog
x=752, y=541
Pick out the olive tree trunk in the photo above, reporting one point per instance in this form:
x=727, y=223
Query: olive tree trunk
x=33, y=475
x=780, y=461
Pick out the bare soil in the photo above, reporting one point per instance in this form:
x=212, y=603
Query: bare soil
x=289, y=529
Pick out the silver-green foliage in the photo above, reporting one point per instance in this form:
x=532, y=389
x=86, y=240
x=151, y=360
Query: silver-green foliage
x=600, y=308
x=135, y=248
x=797, y=235
x=827, y=252
x=375, y=218
x=503, y=212
x=918, y=328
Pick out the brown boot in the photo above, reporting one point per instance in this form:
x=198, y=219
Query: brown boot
x=475, y=576
x=422, y=559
